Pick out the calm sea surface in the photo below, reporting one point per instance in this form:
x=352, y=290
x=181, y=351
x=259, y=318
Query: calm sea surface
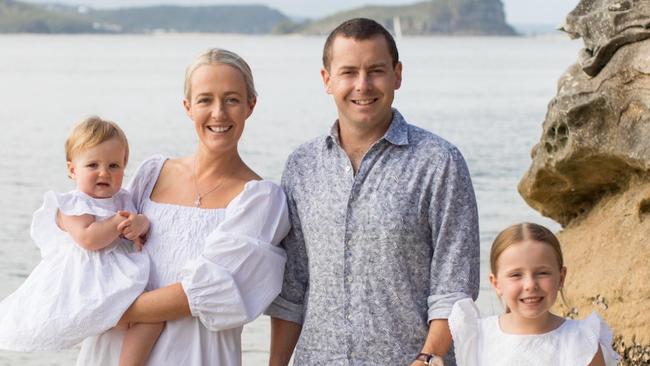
x=488, y=96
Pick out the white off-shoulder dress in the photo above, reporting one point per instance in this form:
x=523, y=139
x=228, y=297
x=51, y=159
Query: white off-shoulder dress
x=227, y=261
x=481, y=342
x=72, y=293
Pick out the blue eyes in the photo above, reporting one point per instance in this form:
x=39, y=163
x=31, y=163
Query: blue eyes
x=231, y=101
x=95, y=166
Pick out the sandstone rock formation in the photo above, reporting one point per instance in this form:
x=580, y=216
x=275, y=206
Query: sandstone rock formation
x=591, y=169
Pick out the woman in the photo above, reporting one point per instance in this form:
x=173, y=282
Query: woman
x=214, y=229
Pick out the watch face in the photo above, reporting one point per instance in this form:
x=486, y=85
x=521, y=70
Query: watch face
x=436, y=361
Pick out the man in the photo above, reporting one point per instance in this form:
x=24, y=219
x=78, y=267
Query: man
x=385, y=229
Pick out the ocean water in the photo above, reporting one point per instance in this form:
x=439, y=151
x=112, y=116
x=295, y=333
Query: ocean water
x=487, y=96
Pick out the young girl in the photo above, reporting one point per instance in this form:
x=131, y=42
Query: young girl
x=527, y=272
x=89, y=274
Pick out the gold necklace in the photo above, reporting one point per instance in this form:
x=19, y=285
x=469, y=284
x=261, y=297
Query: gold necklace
x=199, y=196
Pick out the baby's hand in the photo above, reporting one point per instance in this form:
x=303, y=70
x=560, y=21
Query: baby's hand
x=135, y=227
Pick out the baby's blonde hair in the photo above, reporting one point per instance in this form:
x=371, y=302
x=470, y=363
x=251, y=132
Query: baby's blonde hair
x=91, y=132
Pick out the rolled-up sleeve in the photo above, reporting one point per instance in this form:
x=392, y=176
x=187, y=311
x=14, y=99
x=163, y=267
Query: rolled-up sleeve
x=290, y=304
x=455, y=238
x=240, y=270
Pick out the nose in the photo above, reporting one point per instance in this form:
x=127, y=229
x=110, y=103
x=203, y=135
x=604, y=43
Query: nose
x=530, y=283
x=218, y=111
x=103, y=172
x=362, y=83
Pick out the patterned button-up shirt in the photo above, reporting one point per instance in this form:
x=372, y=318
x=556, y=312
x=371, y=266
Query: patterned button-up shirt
x=374, y=256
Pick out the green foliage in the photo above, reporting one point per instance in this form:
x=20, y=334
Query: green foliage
x=468, y=17
x=17, y=17
x=472, y=17
x=251, y=19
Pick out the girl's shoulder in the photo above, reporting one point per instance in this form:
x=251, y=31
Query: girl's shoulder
x=44, y=230
x=582, y=338
x=76, y=203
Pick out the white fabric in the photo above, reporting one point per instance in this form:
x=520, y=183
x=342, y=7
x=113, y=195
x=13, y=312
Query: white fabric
x=227, y=261
x=72, y=293
x=481, y=342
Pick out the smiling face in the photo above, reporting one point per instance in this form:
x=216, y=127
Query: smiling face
x=528, y=278
x=219, y=106
x=99, y=170
x=362, y=80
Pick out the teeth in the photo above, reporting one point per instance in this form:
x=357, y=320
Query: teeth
x=363, y=101
x=219, y=129
x=530, y=300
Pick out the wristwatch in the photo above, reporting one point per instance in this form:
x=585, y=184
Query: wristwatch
x=430, y=359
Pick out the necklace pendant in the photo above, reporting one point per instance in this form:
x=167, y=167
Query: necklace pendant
x=197, y=201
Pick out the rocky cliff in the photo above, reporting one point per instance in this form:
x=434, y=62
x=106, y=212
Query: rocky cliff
x=591, y=169
x=444, y=17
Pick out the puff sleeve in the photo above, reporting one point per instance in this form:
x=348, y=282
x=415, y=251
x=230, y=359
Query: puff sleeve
x=44, y=231
x=240, y=270
x=144, y=179
x=464, y=327
x=593, y=333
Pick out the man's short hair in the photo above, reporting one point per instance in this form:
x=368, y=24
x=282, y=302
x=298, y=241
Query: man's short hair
x=359, y=29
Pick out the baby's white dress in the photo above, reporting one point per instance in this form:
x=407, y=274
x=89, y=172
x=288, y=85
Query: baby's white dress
x=481, y=342
x=72, y=293
x=227, y=261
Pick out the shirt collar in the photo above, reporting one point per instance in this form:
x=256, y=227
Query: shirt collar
x=397, y=133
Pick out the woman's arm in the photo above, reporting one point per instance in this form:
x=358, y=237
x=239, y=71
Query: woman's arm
x=159, y=305
x=88, y=233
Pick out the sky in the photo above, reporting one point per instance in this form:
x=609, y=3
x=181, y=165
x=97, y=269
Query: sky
x=547, y=12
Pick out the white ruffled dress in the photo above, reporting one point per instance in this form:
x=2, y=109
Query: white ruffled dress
x=226, y=260
x=72, y=293
x=481, y=342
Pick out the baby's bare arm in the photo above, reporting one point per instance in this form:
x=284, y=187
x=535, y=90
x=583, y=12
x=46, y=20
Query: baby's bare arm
x=88, y=233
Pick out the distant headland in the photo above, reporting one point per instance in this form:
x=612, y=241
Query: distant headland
x=434, y=17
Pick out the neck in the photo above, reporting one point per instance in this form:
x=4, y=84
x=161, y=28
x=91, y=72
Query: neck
x=356, y=139
x=513, y=323
x=208, y=164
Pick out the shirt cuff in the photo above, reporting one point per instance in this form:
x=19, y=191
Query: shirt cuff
x=213, y=296
x=440, y=305
x=285, y=310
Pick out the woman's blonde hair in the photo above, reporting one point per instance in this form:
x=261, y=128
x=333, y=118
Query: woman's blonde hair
x=215, y=56
x=521, y=232
x=91, y=132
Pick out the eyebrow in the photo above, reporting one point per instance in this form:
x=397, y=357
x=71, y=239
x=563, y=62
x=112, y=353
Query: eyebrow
x=209, y=94
x=379, y=64
x=372, y=66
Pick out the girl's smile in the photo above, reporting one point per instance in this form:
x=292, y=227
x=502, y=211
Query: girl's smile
x=528, y=280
